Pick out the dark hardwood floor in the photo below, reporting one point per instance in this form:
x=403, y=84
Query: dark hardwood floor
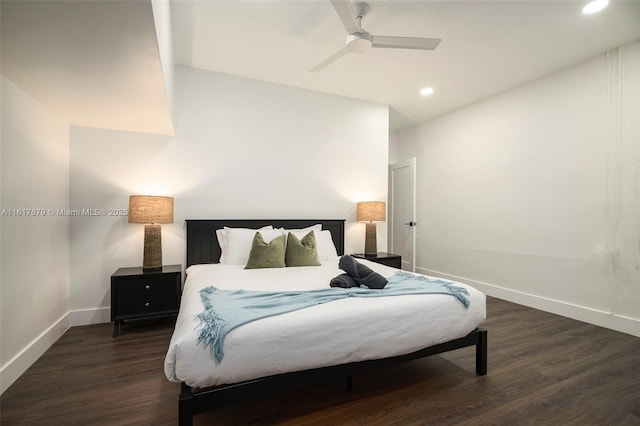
x=543, y=370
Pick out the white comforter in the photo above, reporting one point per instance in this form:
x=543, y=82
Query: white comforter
x=338, y=332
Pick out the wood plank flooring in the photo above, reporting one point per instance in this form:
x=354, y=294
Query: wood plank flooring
x=543, y=370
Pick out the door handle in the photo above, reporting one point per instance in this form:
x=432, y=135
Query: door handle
x=412, y=223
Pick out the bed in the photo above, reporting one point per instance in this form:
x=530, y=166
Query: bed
x=285, y=352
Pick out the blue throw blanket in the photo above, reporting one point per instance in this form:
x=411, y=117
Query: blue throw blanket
x=225, y=310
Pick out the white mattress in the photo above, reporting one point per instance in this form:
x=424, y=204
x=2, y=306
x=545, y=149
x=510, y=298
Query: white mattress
x=342, y=331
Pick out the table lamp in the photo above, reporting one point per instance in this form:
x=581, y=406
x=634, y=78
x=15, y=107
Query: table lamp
x=370, y=212
x=152, y=211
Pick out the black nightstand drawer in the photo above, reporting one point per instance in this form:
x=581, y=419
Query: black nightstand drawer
x=138, y=294
x=394, y=263
x=388, y=259
x=143, y=295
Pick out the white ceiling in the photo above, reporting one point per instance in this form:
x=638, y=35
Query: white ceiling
x=96, y=63
x=487, y=46
x=93, y=63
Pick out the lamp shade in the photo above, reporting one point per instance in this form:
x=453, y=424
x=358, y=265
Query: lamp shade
x=150, y=209
x=370, y=211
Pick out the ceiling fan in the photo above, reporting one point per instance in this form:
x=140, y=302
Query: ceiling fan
x=359, y=40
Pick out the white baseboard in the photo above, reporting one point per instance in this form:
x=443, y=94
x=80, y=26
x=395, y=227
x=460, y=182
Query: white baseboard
x=89, y=316
x=38, y=346
x=581, y=313
x=17, y=365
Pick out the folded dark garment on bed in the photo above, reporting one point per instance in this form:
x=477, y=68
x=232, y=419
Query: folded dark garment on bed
x=361, y=274
x=344, y=281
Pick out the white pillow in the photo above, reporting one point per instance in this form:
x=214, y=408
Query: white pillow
x=316, y=227
x=326, y=248
x=221, y=234
x=239, y=240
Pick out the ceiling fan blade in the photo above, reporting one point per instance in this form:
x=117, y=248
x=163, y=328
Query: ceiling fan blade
x=331, y=59
x=406, y=42
x=347, y=16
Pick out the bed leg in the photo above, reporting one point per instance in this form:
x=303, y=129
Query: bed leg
x=481, y=353
x=185, y=406
x=349, y=383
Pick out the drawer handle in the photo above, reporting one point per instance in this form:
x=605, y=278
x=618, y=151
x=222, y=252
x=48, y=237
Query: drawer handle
x=146, y=304
x=147, y=287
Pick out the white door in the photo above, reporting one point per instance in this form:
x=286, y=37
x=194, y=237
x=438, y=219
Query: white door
x=402, y=187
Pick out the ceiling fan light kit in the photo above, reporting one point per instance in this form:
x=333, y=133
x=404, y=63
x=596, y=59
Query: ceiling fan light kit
x=359, y=40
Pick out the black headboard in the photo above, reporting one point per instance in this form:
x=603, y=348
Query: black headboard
x=202, y=243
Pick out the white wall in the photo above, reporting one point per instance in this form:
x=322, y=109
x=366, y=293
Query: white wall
x=393, y=147
x=533, y=195
x=34, y=285
x=242, y=149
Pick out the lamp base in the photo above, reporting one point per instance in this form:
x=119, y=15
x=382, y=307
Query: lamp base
x=370, y=242
x=152, y=258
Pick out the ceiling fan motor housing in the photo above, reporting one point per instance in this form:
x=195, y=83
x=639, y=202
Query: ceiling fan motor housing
x=359, y=42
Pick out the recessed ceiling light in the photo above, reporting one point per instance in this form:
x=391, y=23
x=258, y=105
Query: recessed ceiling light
x=426, y=91
x=595, y=6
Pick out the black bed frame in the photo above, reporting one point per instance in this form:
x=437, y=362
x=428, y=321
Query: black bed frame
x=202, y=247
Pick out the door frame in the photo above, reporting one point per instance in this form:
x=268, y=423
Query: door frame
x=411, y=162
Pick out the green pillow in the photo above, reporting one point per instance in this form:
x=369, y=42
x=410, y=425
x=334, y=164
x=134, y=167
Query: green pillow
x=302, y=252
x=265, y=255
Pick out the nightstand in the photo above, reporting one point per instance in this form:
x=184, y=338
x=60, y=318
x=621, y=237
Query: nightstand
x=137, y=294
x=389, y=259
